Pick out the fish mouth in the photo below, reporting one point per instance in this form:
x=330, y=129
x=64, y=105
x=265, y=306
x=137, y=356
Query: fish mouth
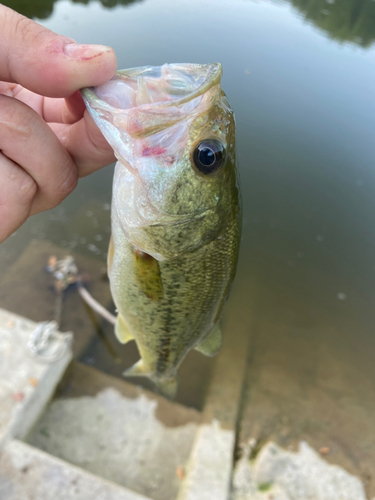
x=182, y=83
x=146, y=100
x=185, y=82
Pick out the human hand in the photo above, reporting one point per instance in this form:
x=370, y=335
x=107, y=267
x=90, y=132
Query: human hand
x=47, y=138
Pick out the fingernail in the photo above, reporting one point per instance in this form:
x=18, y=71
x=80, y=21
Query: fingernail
x=85, y=52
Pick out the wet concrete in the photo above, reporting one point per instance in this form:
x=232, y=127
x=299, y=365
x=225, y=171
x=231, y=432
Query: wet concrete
x=118, y=432
x=27, y=472
x=27, y=382
x=277, y=474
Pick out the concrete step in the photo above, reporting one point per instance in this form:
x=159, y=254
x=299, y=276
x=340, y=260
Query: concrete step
x=26, y=382
x=118, y=431
x=26, y=472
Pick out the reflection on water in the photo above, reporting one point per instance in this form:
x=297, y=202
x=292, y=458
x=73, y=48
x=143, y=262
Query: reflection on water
x=343, y=20
x=42, y=9
x=109, y=3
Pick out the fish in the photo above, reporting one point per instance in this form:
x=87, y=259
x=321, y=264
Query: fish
x=175, y=213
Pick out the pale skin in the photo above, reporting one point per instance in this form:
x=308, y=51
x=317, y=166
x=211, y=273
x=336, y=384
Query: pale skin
x=47, y=138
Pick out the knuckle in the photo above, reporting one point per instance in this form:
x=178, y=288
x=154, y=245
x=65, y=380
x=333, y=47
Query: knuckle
x=67, y=184
x=17, y=28
x=22, y=27
x=71, y=181
x=28, y=190
x=22, y=185
x=16, y=118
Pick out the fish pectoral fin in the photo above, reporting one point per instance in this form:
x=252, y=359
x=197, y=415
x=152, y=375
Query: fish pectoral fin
x=147, y=275
x=211, y=345
x=122, y=331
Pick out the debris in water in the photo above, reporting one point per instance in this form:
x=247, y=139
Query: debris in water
x=324, y=450
x=52, y=261
x=47, y=343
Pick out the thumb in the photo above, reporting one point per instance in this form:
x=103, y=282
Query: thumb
x=47, y=63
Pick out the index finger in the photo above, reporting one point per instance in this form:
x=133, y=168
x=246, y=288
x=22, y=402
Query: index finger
x=47, y=63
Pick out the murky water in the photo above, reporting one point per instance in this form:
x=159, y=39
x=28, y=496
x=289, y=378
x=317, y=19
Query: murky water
x=301, y=77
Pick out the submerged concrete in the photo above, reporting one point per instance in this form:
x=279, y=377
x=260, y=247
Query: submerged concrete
x=100, y=430
x=284, y=475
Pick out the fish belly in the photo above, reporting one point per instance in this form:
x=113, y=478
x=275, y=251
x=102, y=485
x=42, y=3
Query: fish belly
x=169, y=306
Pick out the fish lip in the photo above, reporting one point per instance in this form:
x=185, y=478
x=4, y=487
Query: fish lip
x=213, y=78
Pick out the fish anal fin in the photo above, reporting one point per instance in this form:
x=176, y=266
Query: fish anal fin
x=122, y=331
x=211, y=345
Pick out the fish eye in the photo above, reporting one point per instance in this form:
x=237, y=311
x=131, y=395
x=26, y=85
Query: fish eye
x=209, y=156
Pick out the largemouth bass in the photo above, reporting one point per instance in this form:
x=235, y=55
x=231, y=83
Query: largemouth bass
x=176, y=218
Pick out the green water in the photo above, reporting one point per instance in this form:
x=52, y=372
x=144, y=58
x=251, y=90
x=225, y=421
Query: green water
x=301, y=77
